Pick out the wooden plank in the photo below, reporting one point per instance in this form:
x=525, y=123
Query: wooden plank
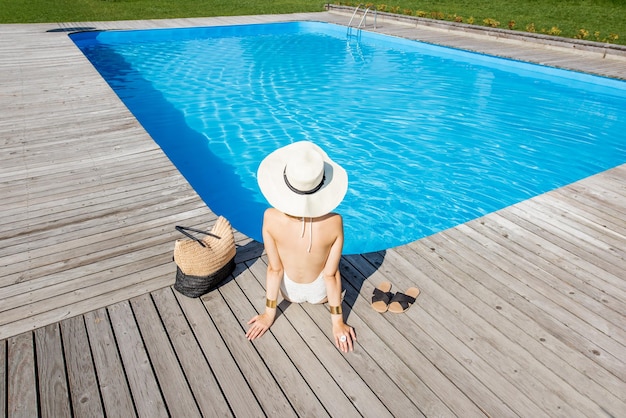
x=396, y=400
x=358, y=392
x=550, y=258
x=145, y=391
x=114, y=389
x=79, y=185
x=200, y=378
x=54, y=394
x=149, y=243
x=572, y=328
x=572, y=367
x=384, y=389
x=85, y=173
x=287, y=355
x=107, y=239
x=59, y=281
x=91, y=204
x=586, y=221
x=610, y=185
x=460, y=390
x=117, y=120
x=67, y=233
x=116, y=187
x=110, y=281
x=541, y=282
x=440, y=371
x=44, y=166
x=567, y=240
x=584, y=209
x=440, y=329
x=111, y=218
x=178, y=397
x=237, y=392
x=596, y=196
x=519, y=307
x=81, y=373
x=107, y=124
x=581, y=292
x=3, y=378
x=267, y=392
x=248, y=250
x=107, y=138
x=22, y=398
x=495, y=343
x=577, y=263
x=118, y=171
x=606, y=247
x=120, y=289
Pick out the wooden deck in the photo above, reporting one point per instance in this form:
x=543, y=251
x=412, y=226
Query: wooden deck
x=522, y=312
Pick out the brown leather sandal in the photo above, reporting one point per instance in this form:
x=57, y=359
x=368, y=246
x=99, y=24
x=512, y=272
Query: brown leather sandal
x=403, y=301
x=381, y=297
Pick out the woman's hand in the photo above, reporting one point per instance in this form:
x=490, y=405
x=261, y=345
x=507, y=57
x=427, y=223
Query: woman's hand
x=339, y=332
x=260, y=324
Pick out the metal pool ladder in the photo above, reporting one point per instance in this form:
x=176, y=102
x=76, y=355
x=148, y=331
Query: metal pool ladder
x=362, y=22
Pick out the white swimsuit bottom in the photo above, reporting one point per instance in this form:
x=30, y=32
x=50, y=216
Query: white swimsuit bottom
x=314, y=292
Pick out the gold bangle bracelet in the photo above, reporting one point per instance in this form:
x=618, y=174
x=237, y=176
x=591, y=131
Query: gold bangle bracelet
x=335, y=310
x=270, y=303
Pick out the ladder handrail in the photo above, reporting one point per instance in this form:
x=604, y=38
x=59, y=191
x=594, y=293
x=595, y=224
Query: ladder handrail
x=361, y=23
x=363, y=18
x=354, y=14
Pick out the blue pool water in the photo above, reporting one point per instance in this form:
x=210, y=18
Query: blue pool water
x=431, y=137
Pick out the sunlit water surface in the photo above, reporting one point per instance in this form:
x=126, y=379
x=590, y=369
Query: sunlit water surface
x=431, y=137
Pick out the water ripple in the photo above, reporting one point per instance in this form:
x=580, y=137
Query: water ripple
x=431, y=137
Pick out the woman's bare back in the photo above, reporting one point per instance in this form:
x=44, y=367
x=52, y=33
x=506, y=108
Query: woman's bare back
x=304, y=246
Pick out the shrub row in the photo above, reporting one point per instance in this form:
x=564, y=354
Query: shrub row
x=489, y=22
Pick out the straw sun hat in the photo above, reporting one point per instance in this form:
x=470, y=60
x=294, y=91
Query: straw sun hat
x=301, y=180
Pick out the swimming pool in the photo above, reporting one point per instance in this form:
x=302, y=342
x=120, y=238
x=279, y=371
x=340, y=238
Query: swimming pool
x=431, y=137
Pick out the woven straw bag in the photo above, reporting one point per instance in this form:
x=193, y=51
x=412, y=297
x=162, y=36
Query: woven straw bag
x=203, y=263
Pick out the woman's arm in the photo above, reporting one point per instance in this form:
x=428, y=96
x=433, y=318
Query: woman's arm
x=332, y=278
x=261, y=323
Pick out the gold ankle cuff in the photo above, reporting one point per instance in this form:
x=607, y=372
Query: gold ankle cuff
x=335, y=310
x=270, y=303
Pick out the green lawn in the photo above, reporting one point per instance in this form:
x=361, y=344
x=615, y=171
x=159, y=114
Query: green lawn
x=30, y=11
x=602, y=20
x=606, y=17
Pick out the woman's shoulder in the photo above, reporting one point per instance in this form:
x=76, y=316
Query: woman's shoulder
x=332, y=217
x=272, y=213
x=332, y=223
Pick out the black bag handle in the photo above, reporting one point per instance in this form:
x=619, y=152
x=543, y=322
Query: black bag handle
x=184, y=229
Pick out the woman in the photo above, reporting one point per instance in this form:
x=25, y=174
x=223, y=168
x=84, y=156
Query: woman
x=303, y=238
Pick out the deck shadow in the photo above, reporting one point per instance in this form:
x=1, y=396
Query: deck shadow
x=72, y=29
x=355, y=270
